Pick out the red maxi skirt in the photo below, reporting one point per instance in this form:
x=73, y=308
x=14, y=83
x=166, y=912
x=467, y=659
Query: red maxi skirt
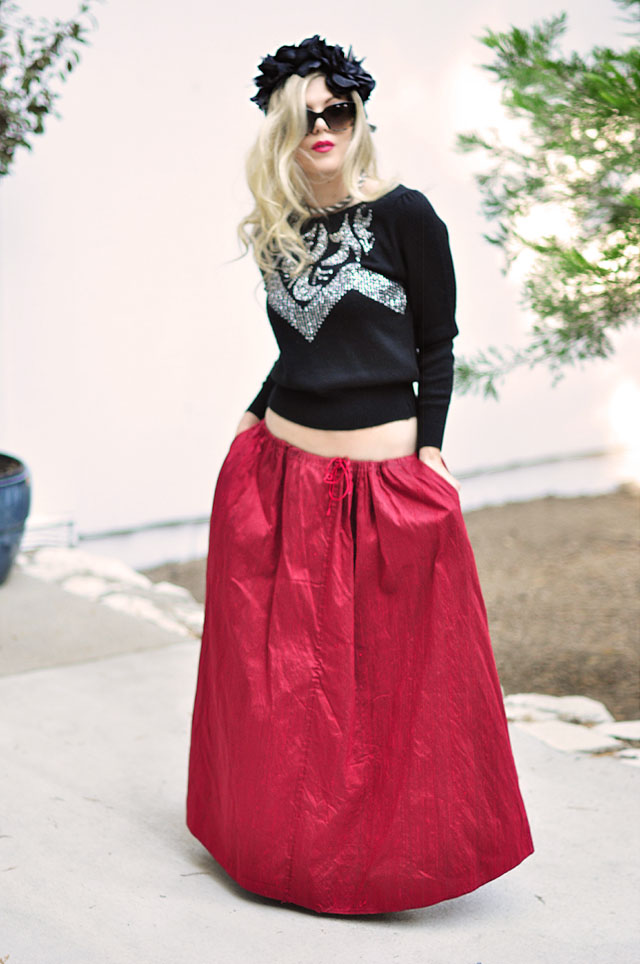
x=349, y=745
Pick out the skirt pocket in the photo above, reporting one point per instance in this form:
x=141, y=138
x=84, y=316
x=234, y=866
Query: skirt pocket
x=434, y=475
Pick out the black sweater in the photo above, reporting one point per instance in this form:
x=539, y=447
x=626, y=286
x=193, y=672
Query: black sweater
x=373, y=314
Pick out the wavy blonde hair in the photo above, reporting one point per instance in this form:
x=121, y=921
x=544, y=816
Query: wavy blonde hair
x=278, y=183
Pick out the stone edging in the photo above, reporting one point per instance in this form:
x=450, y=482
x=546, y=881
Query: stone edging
x=114, y=583
x=574, y=724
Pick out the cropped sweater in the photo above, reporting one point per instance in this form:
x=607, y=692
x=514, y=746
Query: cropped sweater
x=372, y=314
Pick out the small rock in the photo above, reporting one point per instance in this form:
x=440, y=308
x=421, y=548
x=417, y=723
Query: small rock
x=570, y=737
x=91, y=587
x=170, y=589
x=630, y=757
x=144, y=609
x=192, y=617
x=54, y=563
x=532, y=707
x=628, y=730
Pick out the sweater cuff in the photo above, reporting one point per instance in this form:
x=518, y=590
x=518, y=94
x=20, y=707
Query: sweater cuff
x=434, y=393
x=431, y=425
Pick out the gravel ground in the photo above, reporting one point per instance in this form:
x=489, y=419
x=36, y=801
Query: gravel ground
x=560, y=577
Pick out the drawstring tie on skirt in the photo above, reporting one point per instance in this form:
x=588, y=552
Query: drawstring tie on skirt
x=332, y=477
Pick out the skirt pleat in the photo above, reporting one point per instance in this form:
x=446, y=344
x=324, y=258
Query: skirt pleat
x=349, y=747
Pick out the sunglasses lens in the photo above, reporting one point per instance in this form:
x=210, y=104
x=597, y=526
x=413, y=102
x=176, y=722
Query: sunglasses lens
x=339, y=116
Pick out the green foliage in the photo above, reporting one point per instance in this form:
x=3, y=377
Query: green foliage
x=578, y=160
x=34, y=55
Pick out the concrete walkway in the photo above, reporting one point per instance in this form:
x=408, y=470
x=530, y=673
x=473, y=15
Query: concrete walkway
x=97, y=866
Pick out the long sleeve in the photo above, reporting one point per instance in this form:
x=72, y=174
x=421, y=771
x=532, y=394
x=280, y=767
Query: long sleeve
x=431, y=292
x=259, y=404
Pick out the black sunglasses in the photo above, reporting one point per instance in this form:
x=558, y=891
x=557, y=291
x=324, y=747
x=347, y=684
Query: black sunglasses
x=337, y=117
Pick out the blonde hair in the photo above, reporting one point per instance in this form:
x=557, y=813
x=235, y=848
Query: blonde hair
x=279, y=184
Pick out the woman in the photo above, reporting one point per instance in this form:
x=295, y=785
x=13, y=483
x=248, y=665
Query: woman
x=349, y=748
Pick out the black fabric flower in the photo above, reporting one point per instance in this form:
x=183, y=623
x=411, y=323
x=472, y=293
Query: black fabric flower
x=343, y=73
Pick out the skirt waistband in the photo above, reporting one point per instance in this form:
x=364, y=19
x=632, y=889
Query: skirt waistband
x=338, y=469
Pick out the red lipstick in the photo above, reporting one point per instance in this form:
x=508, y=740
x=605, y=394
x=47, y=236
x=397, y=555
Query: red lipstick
x=322, y=146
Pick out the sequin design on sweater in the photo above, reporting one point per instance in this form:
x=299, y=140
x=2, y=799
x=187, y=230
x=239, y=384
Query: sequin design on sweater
x=306, y=301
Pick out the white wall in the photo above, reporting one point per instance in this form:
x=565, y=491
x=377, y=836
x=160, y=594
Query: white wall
x=131, y=342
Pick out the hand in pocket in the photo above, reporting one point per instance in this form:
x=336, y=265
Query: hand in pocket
x=437, y=465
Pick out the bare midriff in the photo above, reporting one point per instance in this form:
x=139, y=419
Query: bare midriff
x=388, y=441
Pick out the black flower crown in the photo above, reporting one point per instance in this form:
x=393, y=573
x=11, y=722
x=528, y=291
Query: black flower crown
x=343, y=73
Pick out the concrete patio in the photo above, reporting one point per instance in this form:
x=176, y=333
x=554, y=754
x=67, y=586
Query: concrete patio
x=98, y=867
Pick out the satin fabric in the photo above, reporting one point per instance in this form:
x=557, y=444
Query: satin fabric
x=349, y=746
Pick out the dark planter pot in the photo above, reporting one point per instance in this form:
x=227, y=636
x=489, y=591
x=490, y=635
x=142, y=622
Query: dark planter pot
x=15, y=502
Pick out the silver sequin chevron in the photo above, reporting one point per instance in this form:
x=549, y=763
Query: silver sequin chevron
x=306, y=301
